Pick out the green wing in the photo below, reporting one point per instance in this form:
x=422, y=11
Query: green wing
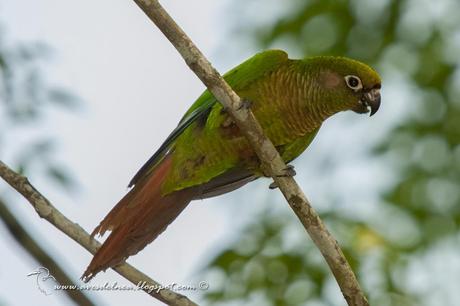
x=238, y=78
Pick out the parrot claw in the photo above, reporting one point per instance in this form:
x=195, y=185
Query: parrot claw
x=245, y=103
x=287, y=172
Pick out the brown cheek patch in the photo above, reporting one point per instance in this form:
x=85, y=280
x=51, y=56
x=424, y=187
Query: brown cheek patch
x=330, y=79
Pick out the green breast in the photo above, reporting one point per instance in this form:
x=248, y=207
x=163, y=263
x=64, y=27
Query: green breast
x=212, y=146
x=291, y=151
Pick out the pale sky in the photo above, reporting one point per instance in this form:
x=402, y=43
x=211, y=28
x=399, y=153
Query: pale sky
x=134, y=88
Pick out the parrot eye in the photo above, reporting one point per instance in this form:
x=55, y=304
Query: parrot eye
x=353, y=82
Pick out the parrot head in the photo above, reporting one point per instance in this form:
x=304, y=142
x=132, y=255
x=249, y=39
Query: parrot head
x=350, y=85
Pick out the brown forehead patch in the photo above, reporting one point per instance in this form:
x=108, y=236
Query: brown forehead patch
x=330, y=79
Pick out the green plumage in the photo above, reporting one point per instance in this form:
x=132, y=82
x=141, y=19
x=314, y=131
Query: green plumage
x=290, y=99
x=206, y=155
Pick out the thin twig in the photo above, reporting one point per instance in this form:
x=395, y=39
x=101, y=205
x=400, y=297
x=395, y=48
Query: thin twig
x=272, y=162
x=48, y=212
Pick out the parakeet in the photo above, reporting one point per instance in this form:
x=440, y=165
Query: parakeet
x=206, y=154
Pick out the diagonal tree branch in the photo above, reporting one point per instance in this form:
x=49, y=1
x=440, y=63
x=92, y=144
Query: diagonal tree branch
x=28, y=243
x=272, y=162
x=47, y=211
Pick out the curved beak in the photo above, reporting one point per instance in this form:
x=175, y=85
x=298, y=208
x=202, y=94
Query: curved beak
x=371, y=99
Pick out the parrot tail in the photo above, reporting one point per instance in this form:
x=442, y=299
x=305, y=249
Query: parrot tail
x=138, y=218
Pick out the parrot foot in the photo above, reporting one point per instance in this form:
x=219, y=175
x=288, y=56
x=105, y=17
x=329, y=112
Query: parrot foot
x=245, y=103
x=287, y=172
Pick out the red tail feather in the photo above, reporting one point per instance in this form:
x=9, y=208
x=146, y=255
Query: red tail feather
x=139, y=217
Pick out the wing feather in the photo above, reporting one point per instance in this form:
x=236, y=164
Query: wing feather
x=238, y=78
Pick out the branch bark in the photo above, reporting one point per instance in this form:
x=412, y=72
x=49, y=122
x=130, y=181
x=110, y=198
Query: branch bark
x=272, y=162
x=48, y=212
x=31, y=246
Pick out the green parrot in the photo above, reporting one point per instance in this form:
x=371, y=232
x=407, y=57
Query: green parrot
x=206, y=154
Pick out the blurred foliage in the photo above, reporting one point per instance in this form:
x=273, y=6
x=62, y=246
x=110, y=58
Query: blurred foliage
x=25, y=100
x=414, y=41
x=26, y=142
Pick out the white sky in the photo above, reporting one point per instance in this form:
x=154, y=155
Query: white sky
x=135, y=88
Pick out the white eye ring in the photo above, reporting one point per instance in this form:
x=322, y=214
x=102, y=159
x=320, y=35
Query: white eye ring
x=353, y=82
